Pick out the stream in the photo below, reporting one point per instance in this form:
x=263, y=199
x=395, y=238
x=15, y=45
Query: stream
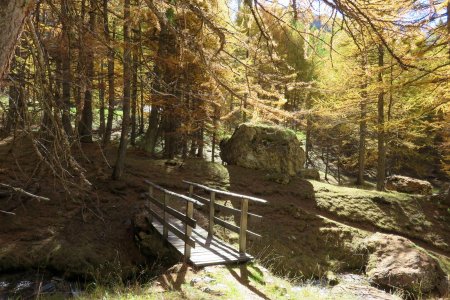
x=30, y=284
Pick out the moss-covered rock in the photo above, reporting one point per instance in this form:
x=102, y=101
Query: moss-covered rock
x=395, y=261
x=264, y=147
x=408, y=185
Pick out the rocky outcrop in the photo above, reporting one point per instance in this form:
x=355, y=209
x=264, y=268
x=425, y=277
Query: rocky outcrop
x=394, y=261
x=408, y=185
x=270, y=148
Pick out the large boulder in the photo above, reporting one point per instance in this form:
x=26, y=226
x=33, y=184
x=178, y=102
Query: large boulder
x=264, y=147
x=395, y=261
x=309, y=174
x=408, y=185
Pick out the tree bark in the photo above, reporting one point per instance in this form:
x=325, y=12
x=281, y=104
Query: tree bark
x=111, y=66
x=101, y=99
x=381, y=164
x=127, y=61
x=362, y=126
x=12, y=17
x=66, y=73
x=85, y=127
x=141, y=109
x=134, y=95
x=308, y=143
x=165, y=50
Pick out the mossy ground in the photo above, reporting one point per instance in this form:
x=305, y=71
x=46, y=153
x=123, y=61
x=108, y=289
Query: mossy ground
x=412, y=216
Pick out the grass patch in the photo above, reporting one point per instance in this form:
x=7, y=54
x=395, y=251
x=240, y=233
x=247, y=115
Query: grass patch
x=216, y=282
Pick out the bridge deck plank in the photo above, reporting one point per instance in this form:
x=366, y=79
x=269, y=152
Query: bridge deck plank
x=208, y=250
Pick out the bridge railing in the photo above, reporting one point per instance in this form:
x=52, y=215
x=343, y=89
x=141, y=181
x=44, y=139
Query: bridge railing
x=185, y=218
x=242, y=214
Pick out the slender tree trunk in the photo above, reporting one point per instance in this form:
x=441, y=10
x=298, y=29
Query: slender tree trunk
x=127, y=61
x=85, y=126
x=101, y=99
x=214, y=136
x=66, y=73
x=134, y=95
x=141, y=109
x=381, y=165
x=111, y=66
x=308, y=143
x=201, y=141
x=294, y=9
x=362, y=126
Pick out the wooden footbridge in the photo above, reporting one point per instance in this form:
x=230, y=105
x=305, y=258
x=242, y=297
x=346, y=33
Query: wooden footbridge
x=199, y=246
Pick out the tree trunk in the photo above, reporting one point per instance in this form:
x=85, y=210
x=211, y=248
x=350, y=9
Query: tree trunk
x=111, y=65
x=85, y=126
x=216, y=118
x=13, y=97
x=201, y=142
x=170, y=134
x=134, y=95
x=151, y=136
x=381, y=164
x=127, y=61
x=163, y=77
x=362, y=126
x=66, y=74
x=12, y=17
x=17, y=113
x=141, y=109
x=101, y=99
x=308, y=144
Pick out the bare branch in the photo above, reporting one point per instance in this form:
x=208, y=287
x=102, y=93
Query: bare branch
x=22, y=191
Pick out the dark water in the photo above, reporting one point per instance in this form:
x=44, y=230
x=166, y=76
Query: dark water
x=30, y=285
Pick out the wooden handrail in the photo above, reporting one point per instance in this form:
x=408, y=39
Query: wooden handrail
x=172, y=211
x=176, y=195
x=187, y=219
x=242, y=213
x=254, y=218
x=225, y=193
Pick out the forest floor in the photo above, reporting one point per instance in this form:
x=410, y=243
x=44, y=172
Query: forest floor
x=310, y=228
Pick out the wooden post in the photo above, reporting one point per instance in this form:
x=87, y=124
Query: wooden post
x=211, y=213
x=150, y=191
x=243, y=226
x=189, y=214
x=165, y=229
x=191, y=190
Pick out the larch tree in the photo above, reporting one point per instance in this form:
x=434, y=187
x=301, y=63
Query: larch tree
x=127, y=69
x=12, y=18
